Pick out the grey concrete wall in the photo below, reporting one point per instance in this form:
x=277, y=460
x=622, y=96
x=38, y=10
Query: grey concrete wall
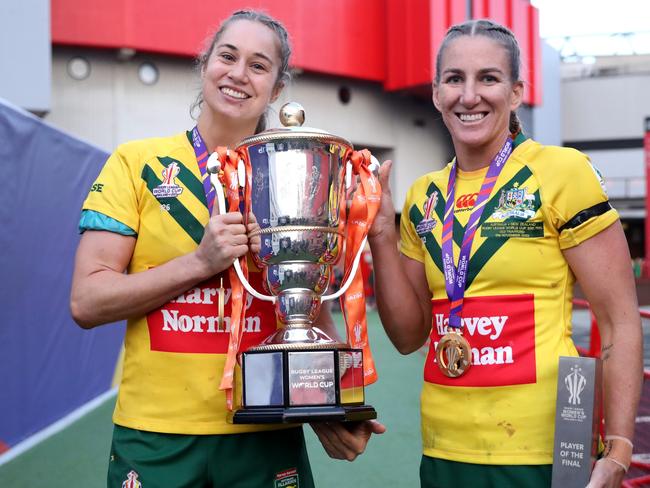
x=112, y=105
x=605, y=107
x=547, y=118
x=606, y=103
x=25, y=54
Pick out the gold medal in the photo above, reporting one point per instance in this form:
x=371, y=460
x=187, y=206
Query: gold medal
x=453, y=354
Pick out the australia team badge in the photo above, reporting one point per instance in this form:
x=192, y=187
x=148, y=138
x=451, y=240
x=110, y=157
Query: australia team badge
x=515, y=202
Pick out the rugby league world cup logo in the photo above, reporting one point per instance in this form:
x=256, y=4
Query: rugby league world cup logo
x=575, y=383
x=168, y=187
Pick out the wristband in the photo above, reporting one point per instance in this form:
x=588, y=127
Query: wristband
x=618, y=449
x=617, y=463
x=620, y=437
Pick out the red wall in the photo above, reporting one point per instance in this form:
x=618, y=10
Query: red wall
x=391, y=41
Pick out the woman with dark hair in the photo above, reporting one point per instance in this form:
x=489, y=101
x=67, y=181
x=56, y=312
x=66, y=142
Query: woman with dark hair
x=490, y=281
x=155, y=253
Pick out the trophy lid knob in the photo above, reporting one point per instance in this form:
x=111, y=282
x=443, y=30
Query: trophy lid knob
x=292, y=114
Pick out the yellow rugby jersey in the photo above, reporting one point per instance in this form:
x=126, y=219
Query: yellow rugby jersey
x=174, y=356
x=517, y=309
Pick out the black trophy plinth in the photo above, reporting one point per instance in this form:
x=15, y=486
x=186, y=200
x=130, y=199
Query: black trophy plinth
x=302, y=385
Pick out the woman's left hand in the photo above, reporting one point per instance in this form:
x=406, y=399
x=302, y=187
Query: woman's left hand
x=255, y=242
x=346, y=440
x=385, y=219
x=606, y=474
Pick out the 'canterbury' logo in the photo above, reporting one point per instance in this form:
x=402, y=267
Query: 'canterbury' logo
x=466, y=201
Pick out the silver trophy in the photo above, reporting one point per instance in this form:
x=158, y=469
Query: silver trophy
x=300, y=177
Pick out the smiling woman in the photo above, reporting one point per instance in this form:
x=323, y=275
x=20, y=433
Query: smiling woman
x=150, y=246
x=490, y=248
x=477, y=90
x=243, y=70
x=240, y=79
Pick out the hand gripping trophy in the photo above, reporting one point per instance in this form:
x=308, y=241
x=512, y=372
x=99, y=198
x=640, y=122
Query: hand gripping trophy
x=297, y=183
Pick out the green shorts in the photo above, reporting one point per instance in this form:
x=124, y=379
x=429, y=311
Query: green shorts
x=440, y=473
x=273, y=459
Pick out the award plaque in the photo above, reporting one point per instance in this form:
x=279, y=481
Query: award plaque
x=302, y=386
x=296, y=182
x=577, y=421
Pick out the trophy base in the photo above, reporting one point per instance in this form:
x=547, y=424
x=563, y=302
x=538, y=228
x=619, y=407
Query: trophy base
x=299, y=415
x=301, y=385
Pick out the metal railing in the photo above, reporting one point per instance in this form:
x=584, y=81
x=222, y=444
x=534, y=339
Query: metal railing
x=639, y=472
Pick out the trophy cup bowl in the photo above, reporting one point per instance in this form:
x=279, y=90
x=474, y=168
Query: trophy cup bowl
x=299, y=373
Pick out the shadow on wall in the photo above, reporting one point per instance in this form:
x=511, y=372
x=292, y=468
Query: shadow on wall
x=49, y=365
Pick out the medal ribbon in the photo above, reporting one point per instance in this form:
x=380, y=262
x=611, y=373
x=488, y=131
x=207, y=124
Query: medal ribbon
x=228, y=175
x=365, y=204
x=229, y=178
x=456, y=276
x=202, y=154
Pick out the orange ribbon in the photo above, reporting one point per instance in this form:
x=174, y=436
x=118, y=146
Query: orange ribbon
x=229, y=178
x=364, y=207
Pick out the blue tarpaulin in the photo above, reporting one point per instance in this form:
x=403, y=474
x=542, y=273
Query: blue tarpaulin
x=48, y=365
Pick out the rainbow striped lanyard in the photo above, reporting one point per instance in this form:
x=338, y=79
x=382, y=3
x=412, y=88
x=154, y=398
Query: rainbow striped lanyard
x=456, y=277
x=201, y=152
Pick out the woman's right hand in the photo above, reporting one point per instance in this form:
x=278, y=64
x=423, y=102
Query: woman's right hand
x=385, y=219
x=346, y=440
x=224, y=240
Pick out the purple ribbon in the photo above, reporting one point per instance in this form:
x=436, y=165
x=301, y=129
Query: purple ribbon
x=456, y=277
x=201, y=152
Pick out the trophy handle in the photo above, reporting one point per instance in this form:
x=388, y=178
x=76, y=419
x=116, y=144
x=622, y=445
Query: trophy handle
x=374, y=167
x=351, y=275
x=214, y=166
